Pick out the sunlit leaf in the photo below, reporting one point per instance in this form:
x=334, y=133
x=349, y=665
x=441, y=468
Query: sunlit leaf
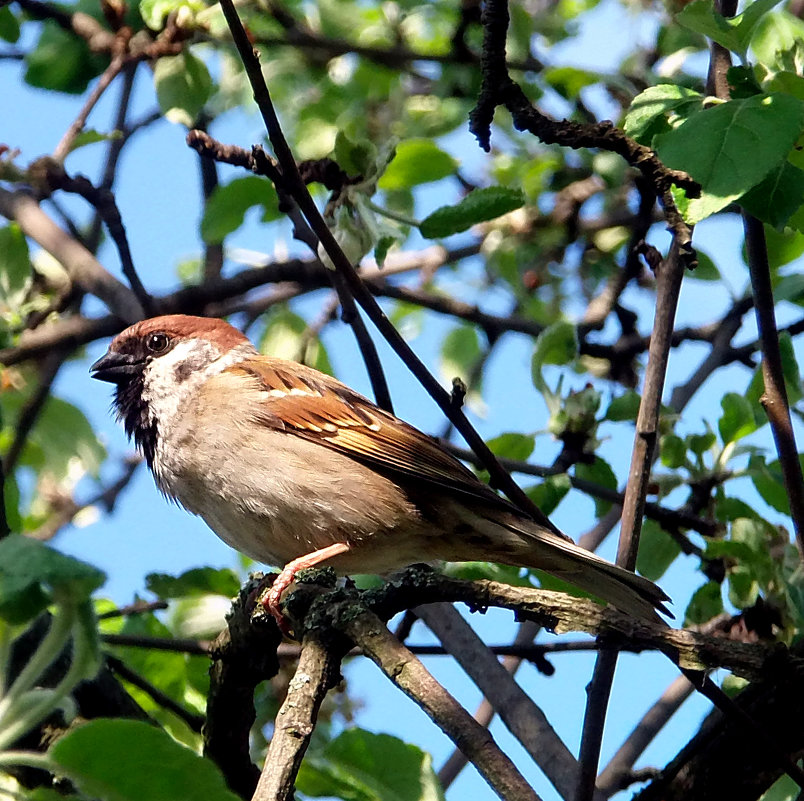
x=361, y=766
x=478, y=206
x=129, y=760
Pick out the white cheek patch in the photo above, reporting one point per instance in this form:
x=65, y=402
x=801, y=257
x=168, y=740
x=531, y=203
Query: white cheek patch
x=172, y=379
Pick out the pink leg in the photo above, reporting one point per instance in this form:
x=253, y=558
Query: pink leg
x=288, y=574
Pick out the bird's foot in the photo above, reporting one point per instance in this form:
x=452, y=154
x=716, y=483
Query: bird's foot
x=287, y=576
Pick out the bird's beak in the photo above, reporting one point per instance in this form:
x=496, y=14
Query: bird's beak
x=116, y=368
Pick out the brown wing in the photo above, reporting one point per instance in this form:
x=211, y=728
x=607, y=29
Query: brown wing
x=313, y=405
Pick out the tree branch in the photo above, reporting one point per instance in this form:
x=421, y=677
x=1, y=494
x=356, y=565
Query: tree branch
x=83, y=268
x=316, y=673
x=774, y=399
x=669, y=274
x=524, y=719
x=410, y=676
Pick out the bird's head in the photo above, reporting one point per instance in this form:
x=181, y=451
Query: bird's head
x=156, y=364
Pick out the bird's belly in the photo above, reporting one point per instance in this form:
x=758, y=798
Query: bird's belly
x=293, y=501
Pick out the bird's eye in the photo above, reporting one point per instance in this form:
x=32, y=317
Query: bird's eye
x=157, y=343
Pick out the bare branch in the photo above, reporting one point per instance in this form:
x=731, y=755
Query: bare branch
x=669, y=274
x=774, y=399
x=614, y=776
x=84, y=269
x=521, y=715
x=410, y=675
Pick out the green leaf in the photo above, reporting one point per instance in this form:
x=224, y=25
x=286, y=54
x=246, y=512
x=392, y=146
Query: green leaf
x=166, y=670
x=226, y=207
x=417, y=161
x=183, y=85
x=755, y=534
x=478, y=206
x=789, y=287
x=783, y=789
x=769, y=482
x=784, y=247
x=285, y=338
x=657, y=551
x=557, y=344
x=733, y=33
x=33, y=574
x=459, y=352
x=598, y=472
x=705, y=603
x=646, y=115
x=775, y=199
x=792, y=376
x=743, y=82
x=61, y=61
x=729, y=509
x=128, y=760
x=11, y=499
x=775, y=36
x=706, y=270
x=65, y=435
x=198, y=581
x=743, y=587
x=737, y=420
x=16, y=273
x=673, y=451
x=89, y=136
x=550, y=492
x=512, y=445
x=568, y=81
x=155, y=12
x=354, y=157
x=9, y=25
x=361, y=766
x=624, y=407
x=699, y=444
x=712, y=146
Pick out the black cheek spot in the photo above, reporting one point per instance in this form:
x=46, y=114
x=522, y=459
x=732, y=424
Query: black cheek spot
x=183, y=371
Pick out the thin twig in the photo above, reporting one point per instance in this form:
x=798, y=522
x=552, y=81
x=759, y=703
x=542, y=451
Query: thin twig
x=669, y=276
x=83, y=268
x=774, y=398
x=193, y=721
x=114, y=149
x=105, y=79
x=181, y=645
x=137, y=608
x=105, y=206
x=614, y=776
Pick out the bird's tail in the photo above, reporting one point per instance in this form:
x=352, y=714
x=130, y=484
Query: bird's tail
x=528, y=544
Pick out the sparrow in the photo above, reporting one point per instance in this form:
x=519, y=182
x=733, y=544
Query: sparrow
x=294, y=469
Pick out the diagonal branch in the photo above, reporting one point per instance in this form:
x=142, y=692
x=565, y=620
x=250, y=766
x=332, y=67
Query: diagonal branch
x=410, y=675
x=83, y=268
x=524, y=719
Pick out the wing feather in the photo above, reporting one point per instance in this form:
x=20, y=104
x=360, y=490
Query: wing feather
x=312, y=405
